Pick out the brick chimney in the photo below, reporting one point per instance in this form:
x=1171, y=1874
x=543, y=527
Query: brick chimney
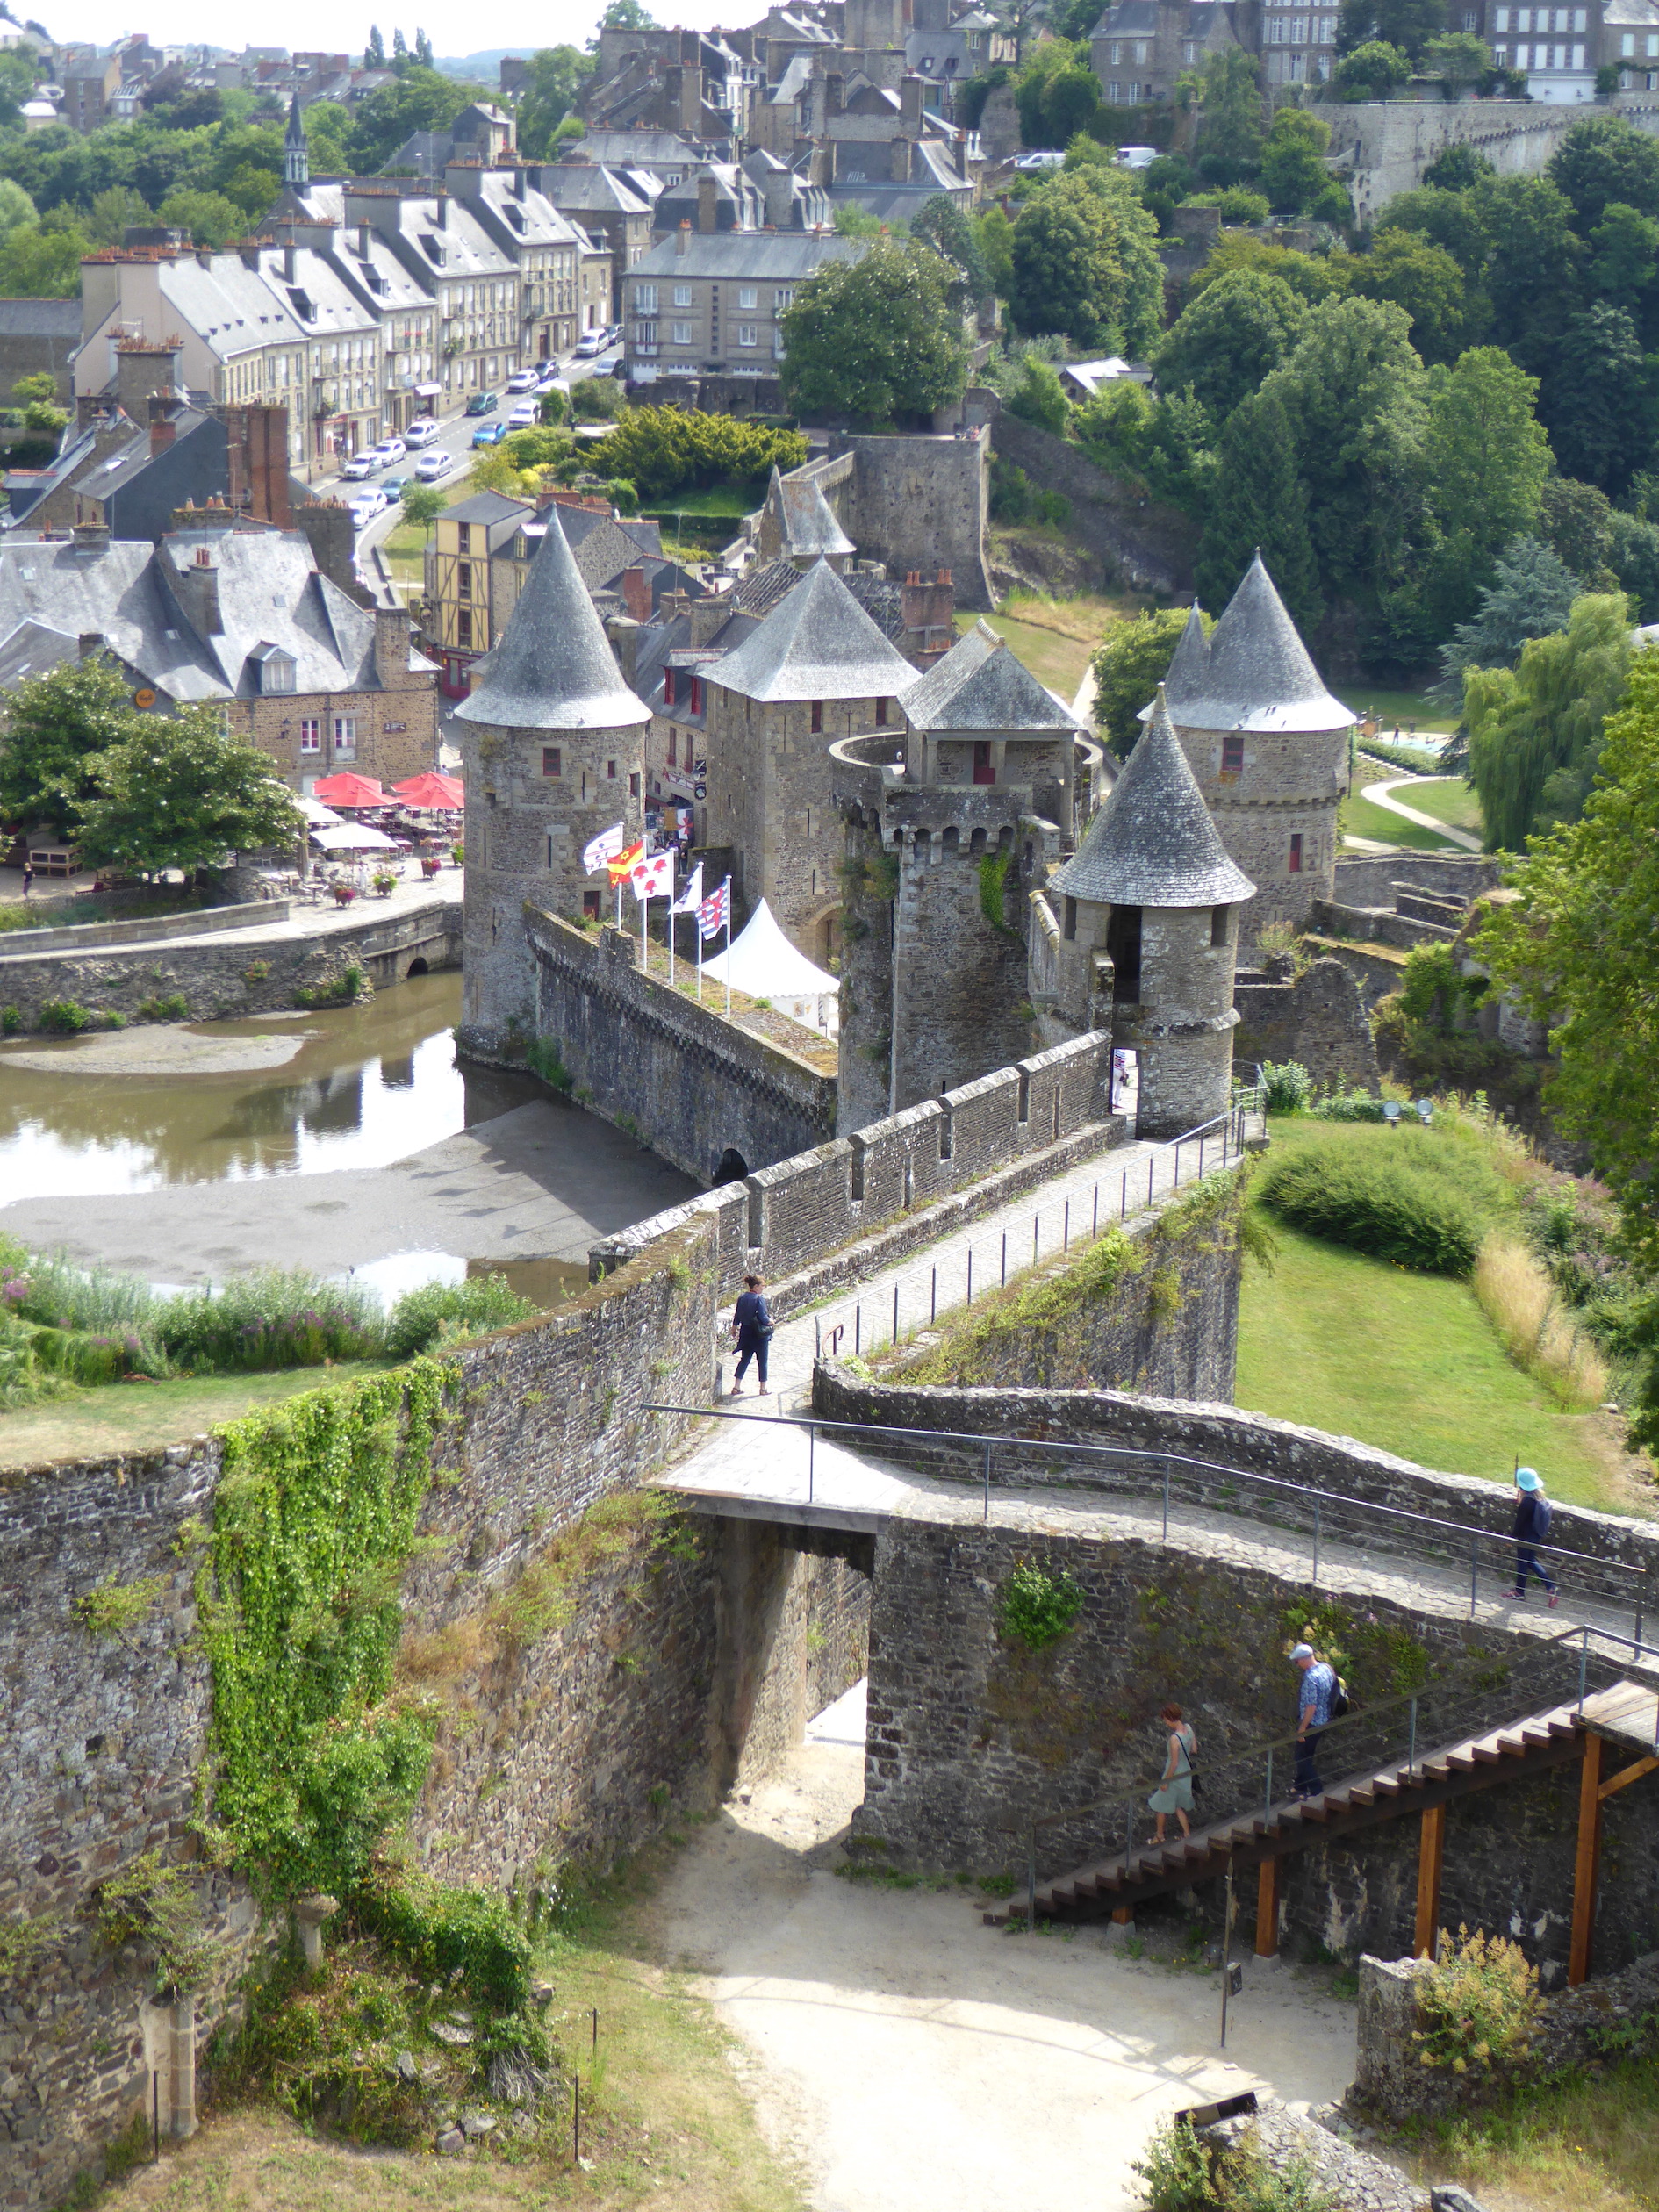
x=261, y=433
x=682, y=236
x=196, y=584
x=163, y=428
x=636, y=593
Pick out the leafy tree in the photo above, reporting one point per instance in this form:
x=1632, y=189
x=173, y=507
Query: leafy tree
x=422, y=503
x=874, y=339
x=1633, y=554
x=1374, y=71
x=1165, y=445
x=1573, y=521
x=1039, y=398
x=993, y=234
x=665, y=449
x=1355, y=394
x=1423, y=279
x=1130, y=663
x=111, y=211
x=1236, y=332
x=1535, y=732
x=207, y=218
x=400, y=47
x=42, y=263
x=1229, y=132
x=1019, y=19
x=1258, y=504
x=327, y=135
x=56, y=727
x=1310, y=276
x=421, y=100
x=40, y=388
x=853, y=221
x=1457, y=57
x=1531, y=595
x=1602, y=158
x=1293, y=171
x=1444, y=218
x=627, y=15
x=1576, y=945
x=555, y=77
x=252, y=189
x=374, y=55
x=176, y=792
x=942, y=225
x=1057, y=93
x=1457, y=169
x=1487, y=457
x=1598, y=398
x=1532, y=257
x=1625, y=260
x=15, y=206
x=1086, y=263
x=1407, y=24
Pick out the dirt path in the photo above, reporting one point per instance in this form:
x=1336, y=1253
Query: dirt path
x=918, y=2061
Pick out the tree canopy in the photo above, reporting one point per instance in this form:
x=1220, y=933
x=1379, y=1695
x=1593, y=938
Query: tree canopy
x=1085, y=263
x=1535, y=732
x=56, y=726
x=1258, y=505
x=1132, y=660
x=177, y=792
x=875, y=340
x=1233, y=335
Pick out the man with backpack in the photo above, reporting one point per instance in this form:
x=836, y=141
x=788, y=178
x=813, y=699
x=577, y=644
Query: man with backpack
x=1316, y=1709
x=1530, y=1529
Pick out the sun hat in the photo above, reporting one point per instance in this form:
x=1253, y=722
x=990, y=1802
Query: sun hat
x=1302, y=1651
x=1526, y=1478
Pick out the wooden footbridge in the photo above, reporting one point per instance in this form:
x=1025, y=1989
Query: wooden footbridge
x=1591, y=1733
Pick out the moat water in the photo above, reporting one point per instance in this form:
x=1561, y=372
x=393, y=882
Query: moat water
x=357, y=1087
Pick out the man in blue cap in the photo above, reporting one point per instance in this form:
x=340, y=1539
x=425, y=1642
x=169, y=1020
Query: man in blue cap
x=1316, y=1696
x=1532, y=1528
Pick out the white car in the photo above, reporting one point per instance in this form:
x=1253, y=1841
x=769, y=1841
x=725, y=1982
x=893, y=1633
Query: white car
x=522, y=380
x=431, y=466
x=592, y=342
x=360, y=465
x=525, y=416
x=388, y=451
x=366, y=506
x=1136, y=157
x=420, y=433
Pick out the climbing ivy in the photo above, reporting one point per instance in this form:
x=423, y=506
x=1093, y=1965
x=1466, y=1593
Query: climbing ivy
x=993, y=891
x=313, y=1759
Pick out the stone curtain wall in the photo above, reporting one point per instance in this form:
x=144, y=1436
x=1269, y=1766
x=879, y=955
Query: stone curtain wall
x=1367, y=882
x=1318, y=1019
x=921, y=504
x=1151, y=547
x=677, y=1075
x=1384, y=148
x=1163, y=1315
x=971, y=1734
x=225, y=981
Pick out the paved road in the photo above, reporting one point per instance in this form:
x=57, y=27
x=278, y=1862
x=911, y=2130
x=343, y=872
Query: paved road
x=1383, y=794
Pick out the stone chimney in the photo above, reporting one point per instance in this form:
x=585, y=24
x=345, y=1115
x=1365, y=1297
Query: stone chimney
x=163, y=429
x=707, y=201
x=682, y=236
x=91, y=643
x=392, y=628
x=623, y=632
x=636, y=593
x=140, y=368
x=92, y=538
x=910, y=91
x=707, y=615
x=196, y=584
x=326, y=526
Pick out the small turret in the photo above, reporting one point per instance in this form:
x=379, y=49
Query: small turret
x=296, y=153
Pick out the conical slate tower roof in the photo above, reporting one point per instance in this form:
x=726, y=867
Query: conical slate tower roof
x=979, y=685
x=1259, y=675
x=817, y=643
x=1190, y=667
x=1153, y=842
x=554, y=669
x=806, y=520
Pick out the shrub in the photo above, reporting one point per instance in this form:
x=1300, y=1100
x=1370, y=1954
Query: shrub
x=441, y=1931
x=439, y=1310
x=174, y=1008
x=273, y=1318
x=346, y=988
x=65, y=1017
x=1289, y=1085
x=1039, y=1608
x=1417, y=1203
x=1350, y=1106
x=88, y=1304
x=10, y=1021
x=1183, y=2174
x=1478, y=2002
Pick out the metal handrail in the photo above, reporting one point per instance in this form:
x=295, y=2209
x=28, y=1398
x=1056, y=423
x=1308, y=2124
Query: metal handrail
x=1318, y=1497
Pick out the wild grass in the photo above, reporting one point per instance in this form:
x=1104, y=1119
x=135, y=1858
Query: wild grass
x=1588, y=2144
x=1535, y=1324
x=273, y=1318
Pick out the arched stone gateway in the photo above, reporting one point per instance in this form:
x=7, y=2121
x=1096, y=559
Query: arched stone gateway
x=733, y=1168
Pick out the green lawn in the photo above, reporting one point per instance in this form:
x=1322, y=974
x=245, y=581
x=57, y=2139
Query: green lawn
x=1447, y=798
x=1399, y=707
x=138, y=1416
x=1054, y=660
x=1408, y=1363
x=1361, y=817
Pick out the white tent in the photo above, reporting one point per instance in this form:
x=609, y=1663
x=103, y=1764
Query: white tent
x=349, y=837
x=317, y=815
x=765, y=964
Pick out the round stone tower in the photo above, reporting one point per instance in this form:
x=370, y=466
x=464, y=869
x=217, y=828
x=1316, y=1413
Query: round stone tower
x=552, y=750
x=1149, y=907
x=1268, y=745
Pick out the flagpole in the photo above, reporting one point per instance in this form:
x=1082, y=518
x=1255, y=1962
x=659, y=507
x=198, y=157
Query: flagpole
x=728, y=948
x=699, y=959
x=644, y=948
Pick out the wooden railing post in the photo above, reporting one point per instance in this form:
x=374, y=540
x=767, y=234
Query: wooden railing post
x=1588, y=1862
x=1267, y=1908
x=1431, y=1850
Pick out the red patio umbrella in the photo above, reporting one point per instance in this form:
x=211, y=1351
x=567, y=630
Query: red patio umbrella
x=349, y=789
x=431, y=790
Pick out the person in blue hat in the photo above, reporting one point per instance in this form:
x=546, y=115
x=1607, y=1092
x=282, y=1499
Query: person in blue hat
x=1530, y=1529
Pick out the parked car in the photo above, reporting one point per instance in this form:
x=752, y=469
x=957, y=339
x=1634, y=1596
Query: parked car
x=592, y=342
x=389, y=449
x=420, y=433
x=360, y=465
x=526, y=416
x=366, y=504
x=394, y=488
x=482, y=403
x=521, y=380
x=431, y=465
x=488, y=434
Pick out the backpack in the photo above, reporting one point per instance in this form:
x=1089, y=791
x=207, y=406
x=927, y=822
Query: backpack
x=1339, y=1700
x=1540, y=1516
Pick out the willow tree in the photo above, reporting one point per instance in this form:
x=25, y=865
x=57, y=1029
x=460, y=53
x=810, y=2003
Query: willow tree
x=1535, y=732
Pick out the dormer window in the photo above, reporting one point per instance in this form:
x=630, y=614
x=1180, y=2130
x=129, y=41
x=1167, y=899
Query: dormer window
x=273, y=670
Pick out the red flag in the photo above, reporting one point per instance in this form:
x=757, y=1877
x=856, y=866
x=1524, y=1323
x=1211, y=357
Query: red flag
x=620, y=869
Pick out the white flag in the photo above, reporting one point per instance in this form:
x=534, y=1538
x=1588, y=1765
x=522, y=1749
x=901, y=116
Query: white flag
x=653, y=877
x=605, y=847
x=691, y=897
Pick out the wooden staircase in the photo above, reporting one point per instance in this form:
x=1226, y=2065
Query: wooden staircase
x=1527, y=1746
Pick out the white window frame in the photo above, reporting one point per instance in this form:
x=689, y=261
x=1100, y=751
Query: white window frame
x=749, y=333
x=644, y=299
x=679, y=334
x=682, y=295
x=747, y=297
x=344, y=745
x=310, y=736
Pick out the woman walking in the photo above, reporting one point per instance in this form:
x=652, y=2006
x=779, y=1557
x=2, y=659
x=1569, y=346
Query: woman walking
x=1530, y=1529
x=751, y=1332
x=1174, y=1793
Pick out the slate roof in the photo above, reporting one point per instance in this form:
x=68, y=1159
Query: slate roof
x=1259, y=675
x=766, y=585
x=748, y=256
x=554, y=669
x=818, y=644
x=592, y=188
x=1153, y=842
x=807, y=522
x=40, y=319
x=980, y=686
x=1189, y=667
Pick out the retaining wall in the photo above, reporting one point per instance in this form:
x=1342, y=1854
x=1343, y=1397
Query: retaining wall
x=1318, y=1019
x=1384, y=147
x=1365, y=881
x=1151, y=547
x=154, y=929
x=221, y=982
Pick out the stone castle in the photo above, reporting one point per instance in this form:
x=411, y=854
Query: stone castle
x=990, y=882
